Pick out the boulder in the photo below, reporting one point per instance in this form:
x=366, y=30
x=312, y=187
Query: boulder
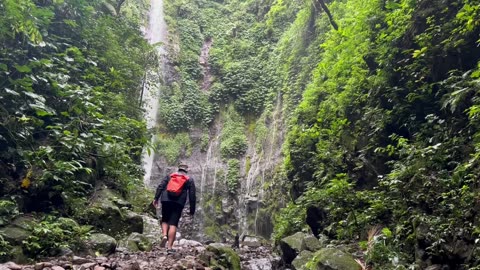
x=14, y=235
x=313, y=244
x=299, y=262
x=292, y=245
x=334, y=259
x=190, y=243
x=18, y=230
x=251, y=241
x=223, y=256
x=103, y=244
x=151, y=228
x=136, y=242
x=17, y=255
x=109, y=216
x=135, y=220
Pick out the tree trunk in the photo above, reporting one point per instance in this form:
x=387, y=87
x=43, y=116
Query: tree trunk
x=323, y=6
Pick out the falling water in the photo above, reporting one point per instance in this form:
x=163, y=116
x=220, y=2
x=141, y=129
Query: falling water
x=156, y=34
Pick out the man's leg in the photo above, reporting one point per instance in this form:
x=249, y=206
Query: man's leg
x=172, y=233
x=164, y=228
x=165, y=217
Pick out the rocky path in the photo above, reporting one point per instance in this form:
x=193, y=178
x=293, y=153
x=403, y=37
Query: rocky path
x=189, y=255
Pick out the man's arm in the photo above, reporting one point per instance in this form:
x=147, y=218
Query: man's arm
x=192, y=197
x=160, y=189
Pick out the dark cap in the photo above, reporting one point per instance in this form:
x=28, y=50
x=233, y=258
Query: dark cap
x=182, y=166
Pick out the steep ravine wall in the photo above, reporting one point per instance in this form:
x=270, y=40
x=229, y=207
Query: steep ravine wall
x=244, y=213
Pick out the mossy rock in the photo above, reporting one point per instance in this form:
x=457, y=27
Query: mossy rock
x=223, y=257
x=136, y=242
x=25, y=222
x=311, y=243
x=302, y=259
x=14, y=235
x=101, y=244
x=292, y=245
x=107, y=217
x=17, y=255
x=332, y=259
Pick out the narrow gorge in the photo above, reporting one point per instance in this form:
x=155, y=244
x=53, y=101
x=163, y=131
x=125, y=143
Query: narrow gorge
x=321, y=134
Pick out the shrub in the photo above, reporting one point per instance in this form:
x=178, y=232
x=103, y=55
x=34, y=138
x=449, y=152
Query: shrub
x=233, y=175
x=52, y=234
x=8, y=210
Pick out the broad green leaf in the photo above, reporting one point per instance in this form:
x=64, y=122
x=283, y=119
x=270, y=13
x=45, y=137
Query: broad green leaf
x=23, y=69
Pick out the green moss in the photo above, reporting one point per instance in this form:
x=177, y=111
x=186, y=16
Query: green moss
x=248, y=164
x=225, y=256
x=173, y=146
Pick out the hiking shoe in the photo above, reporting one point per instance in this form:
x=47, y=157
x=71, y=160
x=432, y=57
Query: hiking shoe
x=171, y=251
x=164, y=241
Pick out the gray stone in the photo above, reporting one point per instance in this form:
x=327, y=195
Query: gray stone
x=334, y=259
x=292, y=245
x=224, y=256
x=14, y=235
x=13, y=266
x=80, y=260
x=251, y=241
x=151, y=229
x=107, y=217
x=137, y=242
x=17, y=255
x=299, y=262
x=102, y=244
x=56, y=267
x=260, y=264
x=135, y=221
x=86, y=266
x=311, y=243
x=190, y=243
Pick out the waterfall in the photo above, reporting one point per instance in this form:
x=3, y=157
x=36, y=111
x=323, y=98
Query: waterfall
x=156, y=34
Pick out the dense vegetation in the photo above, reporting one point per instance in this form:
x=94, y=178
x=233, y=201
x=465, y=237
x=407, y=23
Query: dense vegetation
x=70, y=111
x=381, y=101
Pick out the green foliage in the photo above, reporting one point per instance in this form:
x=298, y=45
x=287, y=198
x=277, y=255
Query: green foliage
x=204, y=141
x=69, y=116
x=5, y=249
x=52, y=234
x=232, y=179
x=384, y=112
x=172, y=147
x=8, y=210
x=289, y=220
x=233, y=140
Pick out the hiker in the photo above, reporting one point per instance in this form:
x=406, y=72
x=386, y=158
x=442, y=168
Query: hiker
x=172, y=193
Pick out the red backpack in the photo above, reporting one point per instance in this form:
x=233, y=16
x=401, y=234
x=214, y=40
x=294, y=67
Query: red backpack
x=176, y=183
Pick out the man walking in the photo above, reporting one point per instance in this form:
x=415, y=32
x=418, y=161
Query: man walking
x=172, y=193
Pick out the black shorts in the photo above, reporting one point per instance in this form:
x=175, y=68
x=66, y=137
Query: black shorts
x=171, y=213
